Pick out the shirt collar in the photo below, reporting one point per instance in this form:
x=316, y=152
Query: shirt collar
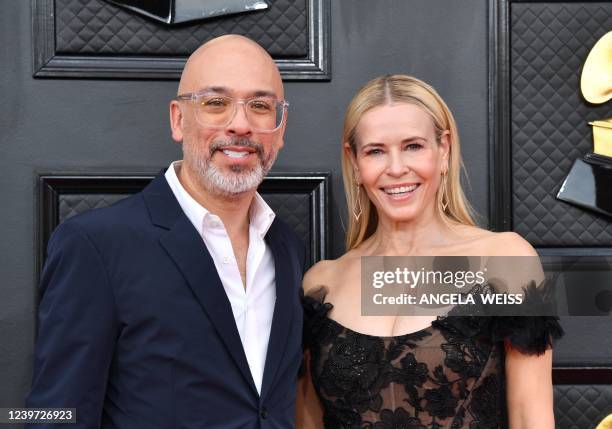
x=261, y=215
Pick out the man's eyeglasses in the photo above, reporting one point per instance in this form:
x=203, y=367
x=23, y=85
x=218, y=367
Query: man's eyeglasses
x=213, y=110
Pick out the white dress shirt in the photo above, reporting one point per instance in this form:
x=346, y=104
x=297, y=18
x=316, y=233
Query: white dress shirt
x=253, y=307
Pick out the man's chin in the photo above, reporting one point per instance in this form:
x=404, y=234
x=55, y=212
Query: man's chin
x=233, y=179
x=239, y=169
x=234, y=183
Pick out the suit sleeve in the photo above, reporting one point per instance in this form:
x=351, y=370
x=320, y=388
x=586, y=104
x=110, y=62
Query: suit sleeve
x=304, y=257
x=77, y=330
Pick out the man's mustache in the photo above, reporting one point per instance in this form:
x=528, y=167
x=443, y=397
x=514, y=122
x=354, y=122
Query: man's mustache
x=235, y=141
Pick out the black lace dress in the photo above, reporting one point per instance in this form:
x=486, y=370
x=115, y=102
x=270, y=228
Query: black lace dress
x=448, y=375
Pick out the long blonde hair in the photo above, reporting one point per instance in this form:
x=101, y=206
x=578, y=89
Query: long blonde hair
x=400, y=89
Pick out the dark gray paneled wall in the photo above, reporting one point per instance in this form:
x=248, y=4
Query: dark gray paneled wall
x=56, y=125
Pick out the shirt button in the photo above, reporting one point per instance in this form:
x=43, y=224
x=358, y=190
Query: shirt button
x=226, y=260
x=264, y=413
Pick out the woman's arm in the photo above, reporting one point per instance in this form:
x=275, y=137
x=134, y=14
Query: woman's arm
x=308, y=410
x=529, y=390
x=528, y=376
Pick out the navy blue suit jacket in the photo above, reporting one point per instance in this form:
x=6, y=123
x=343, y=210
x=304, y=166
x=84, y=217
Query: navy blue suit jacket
x=136, y=331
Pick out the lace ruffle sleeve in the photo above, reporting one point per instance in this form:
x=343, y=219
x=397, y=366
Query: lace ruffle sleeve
x=531, y=335
x=316, y=311
x=534, y=333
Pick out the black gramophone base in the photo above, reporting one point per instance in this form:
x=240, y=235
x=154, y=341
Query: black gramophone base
x=589, y=184
x=600, y=160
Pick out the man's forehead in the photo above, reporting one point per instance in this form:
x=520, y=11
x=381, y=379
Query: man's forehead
x=224, y=90
x=238, y=82
x=235, y=66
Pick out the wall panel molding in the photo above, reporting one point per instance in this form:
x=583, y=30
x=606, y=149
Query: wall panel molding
x=582, y=375
x=526, y=123
x=525, y=48
x=53, y=61
x=301, y=199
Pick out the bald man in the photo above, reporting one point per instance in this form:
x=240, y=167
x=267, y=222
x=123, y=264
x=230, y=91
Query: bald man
x=178, y=307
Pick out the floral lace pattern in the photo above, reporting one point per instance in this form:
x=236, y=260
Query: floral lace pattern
x=449, y=375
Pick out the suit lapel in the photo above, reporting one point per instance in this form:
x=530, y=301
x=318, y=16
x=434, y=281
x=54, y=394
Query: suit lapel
x=283, y=308
x=188, y=251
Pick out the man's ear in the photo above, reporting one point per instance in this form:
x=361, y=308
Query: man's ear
x=281, y=140
x=176, y=121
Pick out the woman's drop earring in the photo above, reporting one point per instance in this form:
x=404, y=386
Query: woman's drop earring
x=357, y=209
x=443, y=195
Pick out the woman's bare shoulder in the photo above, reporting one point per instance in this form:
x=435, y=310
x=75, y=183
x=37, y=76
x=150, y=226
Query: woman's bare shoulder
x=327, y=272
x=509, y=244
x=488, y=243
x=317, y=275
x=515, y=272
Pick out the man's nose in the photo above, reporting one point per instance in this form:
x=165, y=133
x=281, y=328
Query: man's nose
x=239, y=125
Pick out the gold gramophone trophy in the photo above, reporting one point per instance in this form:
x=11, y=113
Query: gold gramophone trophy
x=589, y=183
x=606, y=423
x=596, y=87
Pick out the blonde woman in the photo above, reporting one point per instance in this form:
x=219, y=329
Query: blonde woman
x=401, y=166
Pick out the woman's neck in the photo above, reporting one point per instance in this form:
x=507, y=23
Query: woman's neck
x=416, y=237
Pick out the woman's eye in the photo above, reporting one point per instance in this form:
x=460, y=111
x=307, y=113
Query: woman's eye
x=373, y=152
x=414, y=146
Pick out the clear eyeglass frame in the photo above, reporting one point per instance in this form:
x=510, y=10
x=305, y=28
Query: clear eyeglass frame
x=196, y=97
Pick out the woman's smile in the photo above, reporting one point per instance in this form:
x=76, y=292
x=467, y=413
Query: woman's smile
x=400, y=192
